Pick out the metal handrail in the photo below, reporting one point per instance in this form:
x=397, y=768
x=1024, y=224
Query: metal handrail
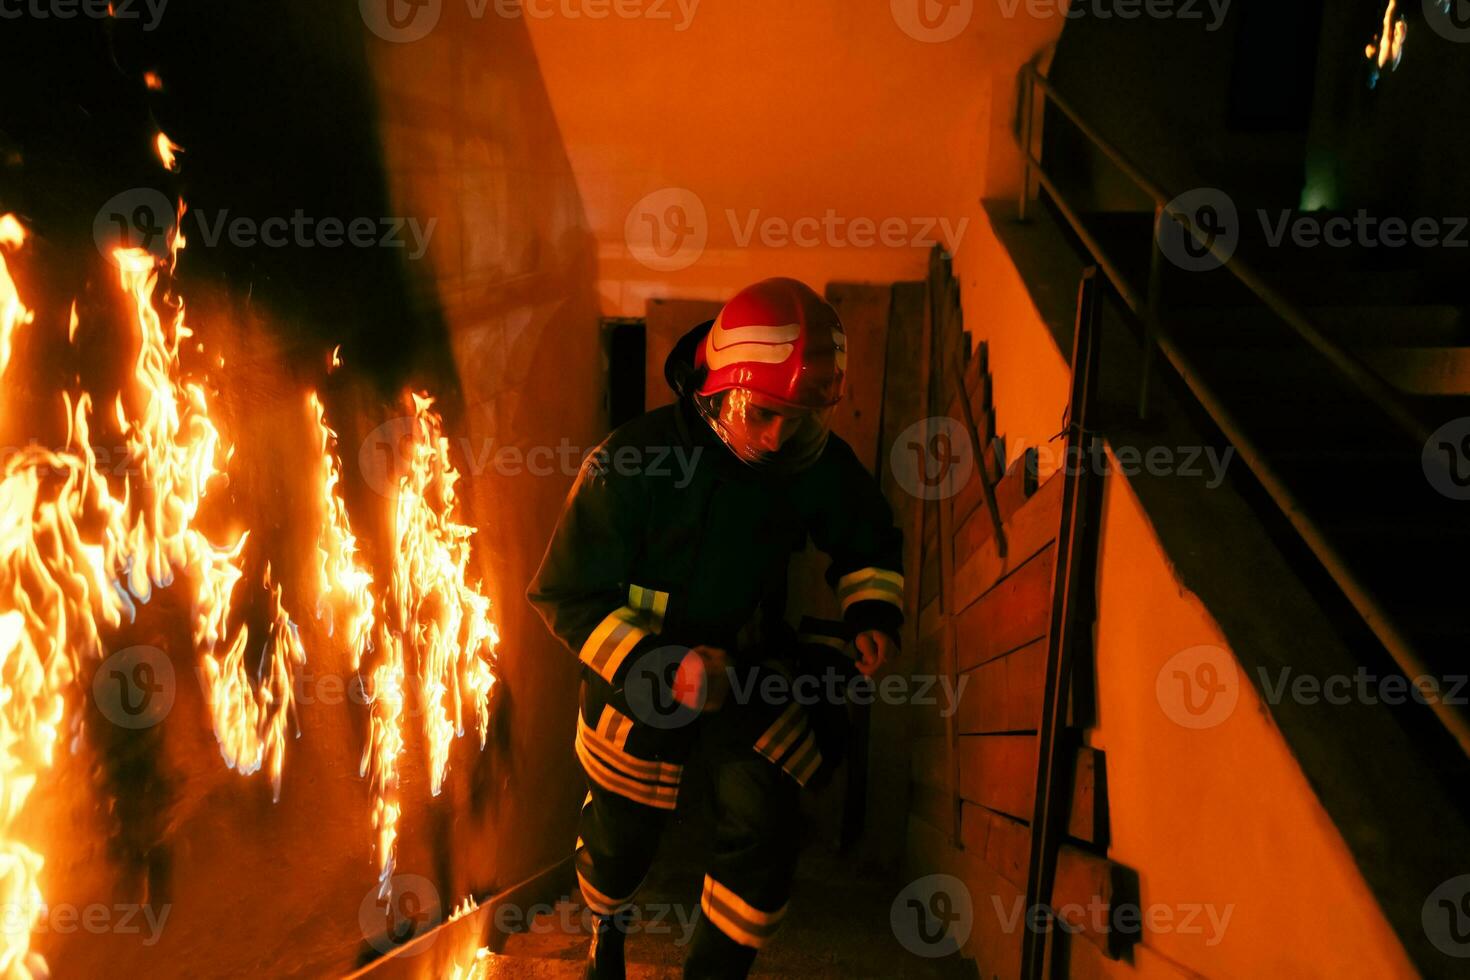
x=1362, y=377
x=1377, y=617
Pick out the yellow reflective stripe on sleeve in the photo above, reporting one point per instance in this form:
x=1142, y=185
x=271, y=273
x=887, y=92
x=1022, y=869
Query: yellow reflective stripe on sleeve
x=737, y=918
x=612, y=641
x=599, y=902
x=870, y=583
x=614, y=726
x=650, y=601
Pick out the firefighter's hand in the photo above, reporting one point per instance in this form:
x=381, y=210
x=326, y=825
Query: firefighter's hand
x=704, y=670
x=874, y=648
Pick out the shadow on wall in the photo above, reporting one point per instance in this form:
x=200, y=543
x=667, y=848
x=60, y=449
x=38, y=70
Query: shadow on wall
x=473, y=279
x=469, y=138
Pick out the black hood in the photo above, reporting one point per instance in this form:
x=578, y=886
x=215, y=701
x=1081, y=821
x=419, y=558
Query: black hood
x=679, y=369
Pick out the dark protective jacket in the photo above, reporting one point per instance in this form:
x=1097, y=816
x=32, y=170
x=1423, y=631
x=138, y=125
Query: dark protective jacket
x=667, y=538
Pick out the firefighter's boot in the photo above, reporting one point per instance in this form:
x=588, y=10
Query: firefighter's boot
x=605, y=956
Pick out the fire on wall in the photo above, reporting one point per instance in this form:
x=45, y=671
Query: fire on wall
x=250, y=639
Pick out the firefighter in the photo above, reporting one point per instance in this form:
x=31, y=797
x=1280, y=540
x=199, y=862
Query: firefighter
x=667, y=576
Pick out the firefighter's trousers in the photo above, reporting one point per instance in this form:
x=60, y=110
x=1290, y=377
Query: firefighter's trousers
x=759, y=753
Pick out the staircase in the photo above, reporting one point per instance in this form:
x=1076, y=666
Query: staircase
x=1388, y=508
x=1355, y=482
x=838, y=926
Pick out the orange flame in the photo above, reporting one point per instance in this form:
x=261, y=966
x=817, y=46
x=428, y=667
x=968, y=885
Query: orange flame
x=61, y=587
x=250, y=721
x=173, y=443
x=13, y=312
x=168, y=151
x=384, y=690
x=344, y=599
x=1387, y=49
x=446, y=620
x=55, y=590
x=344, y=587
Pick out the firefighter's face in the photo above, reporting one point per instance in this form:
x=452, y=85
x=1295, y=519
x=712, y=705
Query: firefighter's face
x=763, y=424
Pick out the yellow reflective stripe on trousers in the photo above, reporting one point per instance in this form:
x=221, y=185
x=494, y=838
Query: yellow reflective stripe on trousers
x=626, y=762
x=599, y=902
x=783, y=731
x=737, y=918
x=791, y=744
x=803, y=763
x=655, y=795
x=870, y=583
x=611, y=642
x=654, y=784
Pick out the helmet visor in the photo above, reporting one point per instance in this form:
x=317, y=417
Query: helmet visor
x=764, y=433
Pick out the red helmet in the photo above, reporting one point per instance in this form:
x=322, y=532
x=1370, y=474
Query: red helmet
x=774, y=363
x=777, y=338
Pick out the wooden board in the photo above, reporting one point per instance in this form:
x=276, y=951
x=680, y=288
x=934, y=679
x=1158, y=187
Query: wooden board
x=931, y=619
x=995, y=938
x=1008, y=848
x=929, y=766
x=1089, y=818
x=864, y=310
x=929, y=577
x=999, y=772
x=931, y=660
x=1004, y=694
x=974, y=828
x=886, y=811
x=1085, y=881
x=668, y=320
x=1011, y=494
x=903, y=405
x=1003, y=842
x=1014, y=613
x=1031, y=527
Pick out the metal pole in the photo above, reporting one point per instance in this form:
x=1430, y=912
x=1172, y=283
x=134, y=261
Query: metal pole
x=1027, y=108
x=1151, y=325
x=1075, y=571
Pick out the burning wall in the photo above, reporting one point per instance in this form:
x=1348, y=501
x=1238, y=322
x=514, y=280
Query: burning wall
x=337, y=595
